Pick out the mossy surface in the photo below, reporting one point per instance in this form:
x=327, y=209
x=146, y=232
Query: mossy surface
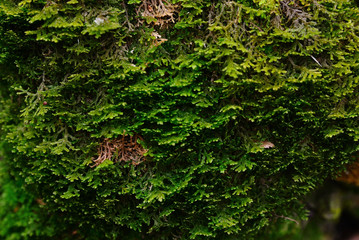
x=238, y=108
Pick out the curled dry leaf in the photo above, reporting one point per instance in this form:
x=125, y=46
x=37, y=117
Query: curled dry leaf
x=267, y=144
x=40, y=202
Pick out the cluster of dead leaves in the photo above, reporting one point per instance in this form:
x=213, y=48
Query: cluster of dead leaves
x=125, y=148
x=161, y=11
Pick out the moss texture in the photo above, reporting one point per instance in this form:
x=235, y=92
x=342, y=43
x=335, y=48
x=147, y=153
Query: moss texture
x=211, y=119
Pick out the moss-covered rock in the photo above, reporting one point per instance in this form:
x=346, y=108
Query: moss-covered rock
x=183, y=119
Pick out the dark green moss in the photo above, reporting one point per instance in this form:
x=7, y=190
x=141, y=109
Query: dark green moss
x=244, y=107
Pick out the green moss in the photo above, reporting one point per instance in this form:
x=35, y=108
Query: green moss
x=244, y=107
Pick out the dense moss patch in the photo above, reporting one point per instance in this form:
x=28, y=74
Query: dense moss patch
x=243, y=107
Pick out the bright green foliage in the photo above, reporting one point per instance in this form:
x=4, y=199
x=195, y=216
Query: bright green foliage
x=244, y=107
